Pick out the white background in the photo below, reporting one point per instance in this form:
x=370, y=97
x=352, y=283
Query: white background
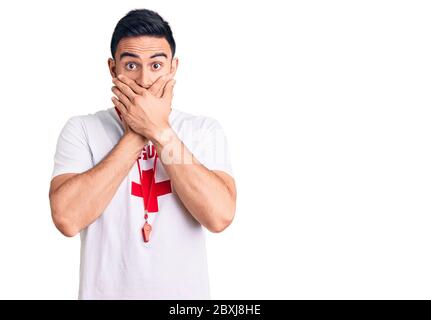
x=326, y=106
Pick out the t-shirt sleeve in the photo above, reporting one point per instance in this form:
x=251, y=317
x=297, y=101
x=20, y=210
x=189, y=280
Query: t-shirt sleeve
x=212, y=150
x=73, y=154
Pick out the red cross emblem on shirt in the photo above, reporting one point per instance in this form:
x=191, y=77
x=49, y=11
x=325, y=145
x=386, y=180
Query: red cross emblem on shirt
x=158, y=189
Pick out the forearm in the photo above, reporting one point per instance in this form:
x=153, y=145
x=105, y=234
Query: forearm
x=202, y=192
x=81, y=199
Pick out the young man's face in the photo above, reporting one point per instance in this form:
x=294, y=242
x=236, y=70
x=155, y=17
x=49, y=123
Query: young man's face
x=143, y=59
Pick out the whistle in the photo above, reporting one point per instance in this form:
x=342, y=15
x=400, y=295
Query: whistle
x=146, y=230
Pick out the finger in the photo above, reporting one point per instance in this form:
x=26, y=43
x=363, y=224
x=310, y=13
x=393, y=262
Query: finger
x=118, y=112
x=169, y=90
x=124, y=88
x=122, y=97
x=121, y=107
x=136, y=88
x=156, y=88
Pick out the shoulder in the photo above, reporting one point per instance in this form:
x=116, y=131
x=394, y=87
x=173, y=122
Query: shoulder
x=181, y=120
x=86, y=122
x=74, y=125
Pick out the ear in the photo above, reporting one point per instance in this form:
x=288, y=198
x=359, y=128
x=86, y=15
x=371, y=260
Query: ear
x=174, y=65
x=111, y=65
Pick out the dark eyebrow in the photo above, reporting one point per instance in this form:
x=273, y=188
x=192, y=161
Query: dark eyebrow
x=134, y=55
x=128, y=54
x=159, y=54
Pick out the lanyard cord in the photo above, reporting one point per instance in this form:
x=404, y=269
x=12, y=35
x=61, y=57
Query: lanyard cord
x=151, y=186
x=140, y=178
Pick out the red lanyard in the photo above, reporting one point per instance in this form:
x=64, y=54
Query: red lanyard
x=146, y=229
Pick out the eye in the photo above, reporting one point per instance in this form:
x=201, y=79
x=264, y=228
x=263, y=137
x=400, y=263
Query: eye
x=157, y=65
x=131, y=66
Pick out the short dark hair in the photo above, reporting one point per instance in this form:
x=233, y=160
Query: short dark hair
x=142, y=22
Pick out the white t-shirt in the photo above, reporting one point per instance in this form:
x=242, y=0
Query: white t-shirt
x=115, y=261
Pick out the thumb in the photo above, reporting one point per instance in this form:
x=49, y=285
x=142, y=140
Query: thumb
x=169, y=89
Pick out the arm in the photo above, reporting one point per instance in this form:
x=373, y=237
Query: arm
x=210, y=196
x=79, y=199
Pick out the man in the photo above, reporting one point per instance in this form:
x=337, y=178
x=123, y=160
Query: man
x=139, y=180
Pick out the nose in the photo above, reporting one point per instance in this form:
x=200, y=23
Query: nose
x=144, y=79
